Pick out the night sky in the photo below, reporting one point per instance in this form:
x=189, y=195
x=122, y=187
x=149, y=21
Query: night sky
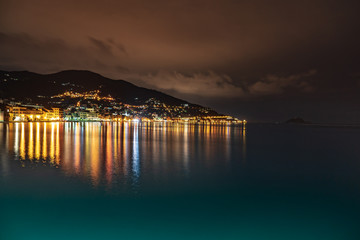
x=258, y=60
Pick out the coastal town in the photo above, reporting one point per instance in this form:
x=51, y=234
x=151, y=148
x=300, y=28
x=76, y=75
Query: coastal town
x=92, y=106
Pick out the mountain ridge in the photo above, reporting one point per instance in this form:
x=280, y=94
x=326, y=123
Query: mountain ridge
x=33, y=88
x=81, y=80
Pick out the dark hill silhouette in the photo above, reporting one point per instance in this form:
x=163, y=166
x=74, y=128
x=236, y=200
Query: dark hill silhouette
x=24, y=84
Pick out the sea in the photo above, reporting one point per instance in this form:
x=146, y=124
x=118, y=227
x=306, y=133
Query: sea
x=129, y=180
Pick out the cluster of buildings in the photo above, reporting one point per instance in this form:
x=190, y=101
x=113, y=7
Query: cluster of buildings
x=90, y=106
x=82, y=114
x=31, y=113
x=95, y=95
x=221, y=119
x=28, y=113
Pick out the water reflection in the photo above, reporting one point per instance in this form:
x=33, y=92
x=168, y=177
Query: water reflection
x=37, y=142
x=124, y=153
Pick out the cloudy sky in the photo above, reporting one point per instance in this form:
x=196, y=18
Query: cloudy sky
x=260, y=60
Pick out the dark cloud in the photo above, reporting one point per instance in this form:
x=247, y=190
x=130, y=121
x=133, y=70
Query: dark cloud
x=122, y=70
x=106, y=47
x=209, y=84
x=221, y=85
x=103, y=46
x=273, y=84
x=47, y=55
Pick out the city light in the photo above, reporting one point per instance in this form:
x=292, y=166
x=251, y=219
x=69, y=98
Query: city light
x=92, y=106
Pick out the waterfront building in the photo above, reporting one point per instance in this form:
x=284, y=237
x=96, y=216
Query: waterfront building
x=32, y=113
x=2, y=115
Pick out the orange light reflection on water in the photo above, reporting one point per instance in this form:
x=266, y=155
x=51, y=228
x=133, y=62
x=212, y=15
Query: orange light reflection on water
x=107, y=152
x=37, y=142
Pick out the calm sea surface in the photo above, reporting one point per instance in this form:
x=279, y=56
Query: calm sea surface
x=168, y=181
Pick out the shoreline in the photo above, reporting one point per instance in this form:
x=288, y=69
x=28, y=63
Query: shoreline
x=131, y=121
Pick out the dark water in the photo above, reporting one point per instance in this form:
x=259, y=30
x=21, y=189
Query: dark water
x=157, y=181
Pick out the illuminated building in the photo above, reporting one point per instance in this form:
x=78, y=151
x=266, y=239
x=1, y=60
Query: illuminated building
x=53, y=114
x=32, y=113
x=2, y=115
x=82, y=115
x=85, y=95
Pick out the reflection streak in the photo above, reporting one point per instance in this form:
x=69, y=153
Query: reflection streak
x=37, y=142
x=106, y=152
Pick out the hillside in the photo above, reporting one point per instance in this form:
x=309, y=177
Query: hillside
x=28, y=85
x=76, y=90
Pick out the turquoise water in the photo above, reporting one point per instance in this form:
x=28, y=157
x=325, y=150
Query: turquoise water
x=163, y=181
